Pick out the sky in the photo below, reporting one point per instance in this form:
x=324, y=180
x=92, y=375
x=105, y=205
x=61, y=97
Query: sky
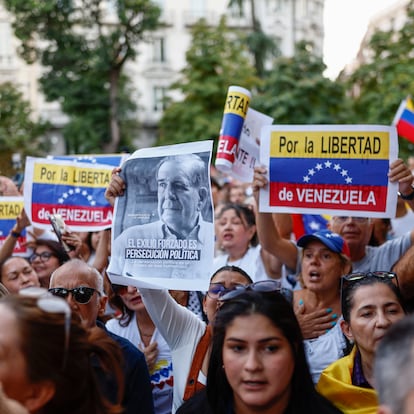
x=346, y=22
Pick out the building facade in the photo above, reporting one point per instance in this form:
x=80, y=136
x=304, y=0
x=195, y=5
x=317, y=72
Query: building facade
x=163, y=56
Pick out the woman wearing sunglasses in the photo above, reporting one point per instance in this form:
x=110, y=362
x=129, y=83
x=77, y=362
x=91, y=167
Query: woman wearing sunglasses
x=48, y=360
x=371, y=303
x=257, y=362
x=187, y=336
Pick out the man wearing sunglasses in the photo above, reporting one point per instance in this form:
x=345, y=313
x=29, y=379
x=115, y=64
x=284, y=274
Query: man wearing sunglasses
x=82, y=286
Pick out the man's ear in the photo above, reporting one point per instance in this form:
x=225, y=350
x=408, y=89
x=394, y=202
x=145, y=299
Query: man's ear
x=102, y=305
x=202, y=194
x=204, y=304
x=37, y=395
x=346, y=329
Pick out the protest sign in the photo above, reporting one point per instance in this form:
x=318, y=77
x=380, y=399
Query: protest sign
x=10, y=208
x=163, y=232
x=74, y=190
x=334, y=169
x=107, y=159
x=248, y=152
x=235, y=111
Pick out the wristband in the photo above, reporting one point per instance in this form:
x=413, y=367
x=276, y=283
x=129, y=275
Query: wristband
x=15, y=234
x=409, y=196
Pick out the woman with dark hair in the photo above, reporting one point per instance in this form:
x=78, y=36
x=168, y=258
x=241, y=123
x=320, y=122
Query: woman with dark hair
x=48, y=359
x=236, y=235
x=47, y=256
x=257, y=362
x=17, y=273
x=136, y=325
x=371, y=303
x=187, y=336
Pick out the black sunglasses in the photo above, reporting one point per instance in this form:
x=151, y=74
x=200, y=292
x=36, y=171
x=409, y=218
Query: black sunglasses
x=263, y=286
x=81, y=294
x=355, y=277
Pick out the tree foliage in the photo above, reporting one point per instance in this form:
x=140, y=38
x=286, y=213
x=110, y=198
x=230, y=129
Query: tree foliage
x=379, y=86
x=216, y=59
x=260, y=45
x=296, y=92
x=83, y=46
x=18, y=132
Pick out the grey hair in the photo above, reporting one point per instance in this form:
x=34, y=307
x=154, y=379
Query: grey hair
x=394, y=365
x=82, y=264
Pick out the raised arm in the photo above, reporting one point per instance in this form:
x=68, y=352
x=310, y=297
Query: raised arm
x=267, y=230
x=22, y=221
x=399, y=172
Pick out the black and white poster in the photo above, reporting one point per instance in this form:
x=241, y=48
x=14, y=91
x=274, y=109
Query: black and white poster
x=163, y=230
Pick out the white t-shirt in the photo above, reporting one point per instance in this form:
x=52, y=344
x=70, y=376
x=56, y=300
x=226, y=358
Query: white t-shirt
x=162, y=374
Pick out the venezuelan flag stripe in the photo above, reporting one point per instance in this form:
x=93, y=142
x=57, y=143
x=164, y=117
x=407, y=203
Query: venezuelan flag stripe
x=341, y=197
x=327, y=171
x=68, y=195
x=74, y=215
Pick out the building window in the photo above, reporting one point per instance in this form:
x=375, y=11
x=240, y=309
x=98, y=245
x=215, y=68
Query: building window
x=159, y=50
x=6, y=50
x=159, y=98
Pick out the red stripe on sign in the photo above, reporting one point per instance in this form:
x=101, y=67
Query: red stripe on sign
x=73, y=215
x=339, y=197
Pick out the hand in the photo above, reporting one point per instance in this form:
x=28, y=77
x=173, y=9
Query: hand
x=74, y=241
x=22, y=221
x=116, y=187
x=259, y=180
x=316, y=323
x=399, y=172
x=151, y=354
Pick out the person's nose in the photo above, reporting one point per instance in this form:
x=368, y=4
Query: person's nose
x=132, y=289
x=383, y=320
x=315, y=259
x=71, y=301
x=253, y=361
x=169, y=191
x=24, y=278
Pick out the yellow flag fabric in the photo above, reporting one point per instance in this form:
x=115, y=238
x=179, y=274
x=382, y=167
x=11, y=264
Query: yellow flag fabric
x=336, y=385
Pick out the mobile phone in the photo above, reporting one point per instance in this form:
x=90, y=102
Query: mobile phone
x=59, y=228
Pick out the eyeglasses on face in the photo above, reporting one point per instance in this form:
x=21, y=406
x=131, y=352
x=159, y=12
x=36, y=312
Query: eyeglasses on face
x=51, y=304
x=343, y=219
x=216, y=289
x=261, y=286
x=43, y=257
x=81, y=294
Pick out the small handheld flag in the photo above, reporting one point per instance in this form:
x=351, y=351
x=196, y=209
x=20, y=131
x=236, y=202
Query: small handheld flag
x=404, y=119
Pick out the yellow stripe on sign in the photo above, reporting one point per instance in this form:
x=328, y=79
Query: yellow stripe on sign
x=332, y=144
x=236, y=103
x=70, y=175
x=10, y=209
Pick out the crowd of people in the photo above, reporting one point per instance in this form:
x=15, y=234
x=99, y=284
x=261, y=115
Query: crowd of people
x=308, y=324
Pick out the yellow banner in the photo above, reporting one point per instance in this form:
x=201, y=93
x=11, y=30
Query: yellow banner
x=68, y=175
x=236, y=103
x=10, y=209
x=332, y=144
